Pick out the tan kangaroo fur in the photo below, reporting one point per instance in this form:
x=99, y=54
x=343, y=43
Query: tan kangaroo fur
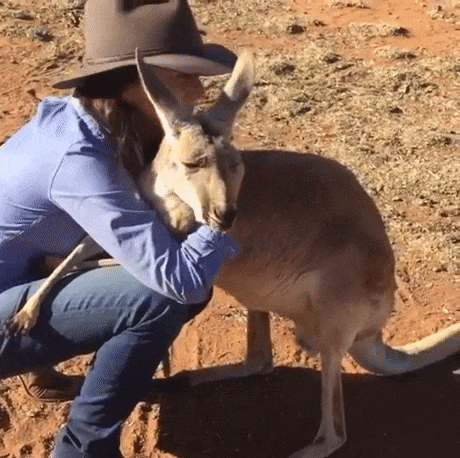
x=314, y=250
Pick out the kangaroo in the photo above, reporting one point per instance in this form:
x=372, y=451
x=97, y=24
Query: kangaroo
x=314, y=249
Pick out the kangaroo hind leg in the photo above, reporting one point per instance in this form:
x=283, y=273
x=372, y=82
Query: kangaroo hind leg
x=331, y=434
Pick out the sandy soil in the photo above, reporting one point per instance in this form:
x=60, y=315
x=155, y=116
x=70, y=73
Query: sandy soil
x=373, y=84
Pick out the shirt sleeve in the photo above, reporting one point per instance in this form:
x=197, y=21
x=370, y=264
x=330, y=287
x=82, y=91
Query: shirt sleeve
x=100, y=196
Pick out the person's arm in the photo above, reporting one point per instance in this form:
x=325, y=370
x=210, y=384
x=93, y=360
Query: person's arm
x=99, y=195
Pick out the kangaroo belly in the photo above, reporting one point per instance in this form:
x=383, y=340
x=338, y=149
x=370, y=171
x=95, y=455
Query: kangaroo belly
x=267, y=290
x=328, y=300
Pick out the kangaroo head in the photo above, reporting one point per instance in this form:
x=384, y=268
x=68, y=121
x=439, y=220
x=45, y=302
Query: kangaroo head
x=197, y=173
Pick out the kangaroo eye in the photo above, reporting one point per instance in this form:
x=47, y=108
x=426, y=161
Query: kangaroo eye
x=198, y=164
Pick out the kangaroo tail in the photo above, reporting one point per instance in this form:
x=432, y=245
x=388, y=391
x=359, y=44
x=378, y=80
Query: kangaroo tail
x=376, y=356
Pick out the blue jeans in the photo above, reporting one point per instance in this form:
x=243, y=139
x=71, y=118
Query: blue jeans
x=129, y=326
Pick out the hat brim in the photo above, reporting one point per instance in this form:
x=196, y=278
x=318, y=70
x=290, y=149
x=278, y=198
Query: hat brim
x=215, y=60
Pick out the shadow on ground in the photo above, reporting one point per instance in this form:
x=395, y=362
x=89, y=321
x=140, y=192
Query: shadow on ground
x=273, y=416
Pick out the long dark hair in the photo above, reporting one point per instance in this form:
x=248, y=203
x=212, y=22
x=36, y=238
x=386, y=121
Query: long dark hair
x=100, y=95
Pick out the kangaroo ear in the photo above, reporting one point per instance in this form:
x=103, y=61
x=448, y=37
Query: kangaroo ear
x=222, y=114
x=168, y=109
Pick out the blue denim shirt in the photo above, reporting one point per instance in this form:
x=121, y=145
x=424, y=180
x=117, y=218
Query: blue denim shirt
x=59, y=179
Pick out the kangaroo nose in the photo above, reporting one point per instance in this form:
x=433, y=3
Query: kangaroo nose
x=226, y=217
x=229, y=217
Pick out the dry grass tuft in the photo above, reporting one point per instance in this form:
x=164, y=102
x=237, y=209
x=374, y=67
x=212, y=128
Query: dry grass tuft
x=348, y=3
x=368, y=30
x=390, y=52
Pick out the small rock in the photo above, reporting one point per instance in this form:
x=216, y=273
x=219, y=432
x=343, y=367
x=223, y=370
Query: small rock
x=283, y=68
x=318, y=23
x=331, y=58
x=440, y=268
x=301, y=108
x=25, y=16
x=295, y=28
x=43, y=35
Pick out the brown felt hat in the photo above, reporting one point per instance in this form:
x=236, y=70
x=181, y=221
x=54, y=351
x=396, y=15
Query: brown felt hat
x=163, y=30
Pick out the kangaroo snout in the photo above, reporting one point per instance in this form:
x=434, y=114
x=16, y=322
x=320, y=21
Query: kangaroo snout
x=222, y=218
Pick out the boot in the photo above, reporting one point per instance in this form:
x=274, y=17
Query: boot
x=49, y=385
